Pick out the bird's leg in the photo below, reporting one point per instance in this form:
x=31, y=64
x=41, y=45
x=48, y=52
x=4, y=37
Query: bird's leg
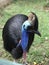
x=16, y=60
x=24, y=58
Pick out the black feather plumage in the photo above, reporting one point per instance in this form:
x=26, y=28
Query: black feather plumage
x=12, y=34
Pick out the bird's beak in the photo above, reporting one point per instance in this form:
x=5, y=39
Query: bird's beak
x=37, y=32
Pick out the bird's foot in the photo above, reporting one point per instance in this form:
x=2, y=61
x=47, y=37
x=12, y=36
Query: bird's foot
x=25, y=63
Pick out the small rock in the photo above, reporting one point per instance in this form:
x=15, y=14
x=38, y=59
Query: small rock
x=46, y=38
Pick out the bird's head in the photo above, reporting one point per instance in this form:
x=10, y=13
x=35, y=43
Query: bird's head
x=34, y=23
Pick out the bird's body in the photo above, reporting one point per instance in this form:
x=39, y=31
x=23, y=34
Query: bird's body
x=12, y=34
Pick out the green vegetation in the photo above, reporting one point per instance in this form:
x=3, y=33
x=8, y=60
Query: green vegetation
x=39, y=51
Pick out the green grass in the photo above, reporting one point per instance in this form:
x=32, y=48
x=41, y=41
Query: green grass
x=39, y=50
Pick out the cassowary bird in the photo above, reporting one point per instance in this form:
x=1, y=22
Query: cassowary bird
x=18, y=34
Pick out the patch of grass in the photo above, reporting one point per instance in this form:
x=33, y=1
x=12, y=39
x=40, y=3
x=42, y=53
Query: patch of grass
x=39, y=50
x=47, y=5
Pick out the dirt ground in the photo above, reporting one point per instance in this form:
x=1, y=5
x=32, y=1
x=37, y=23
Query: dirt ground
x=4, y=3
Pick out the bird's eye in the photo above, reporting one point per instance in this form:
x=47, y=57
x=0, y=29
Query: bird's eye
x=23, y=26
